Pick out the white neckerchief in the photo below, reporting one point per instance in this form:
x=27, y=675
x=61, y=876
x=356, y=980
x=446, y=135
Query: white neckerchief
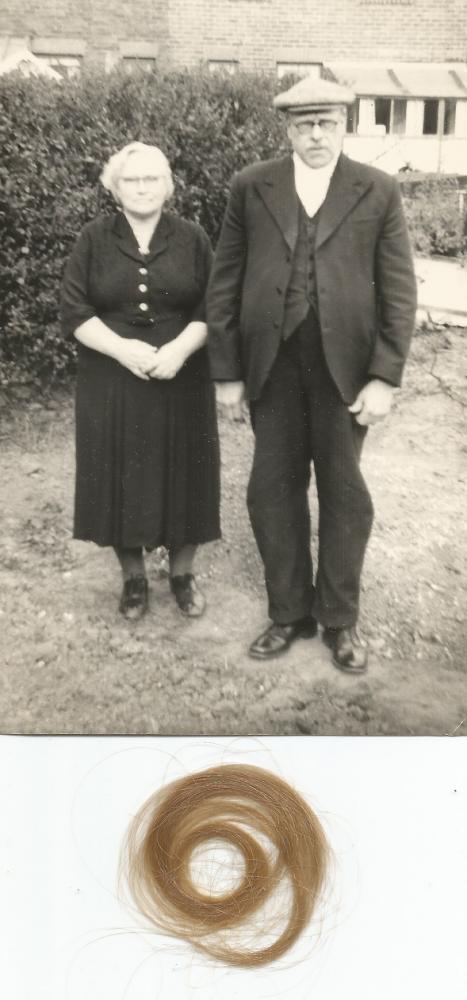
x=312, y=183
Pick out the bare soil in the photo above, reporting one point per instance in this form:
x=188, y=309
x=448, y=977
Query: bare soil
x=70, y=664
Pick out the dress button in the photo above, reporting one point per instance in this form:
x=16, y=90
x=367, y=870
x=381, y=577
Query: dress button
x=143, y=270
x=151, y=320
x=143, y=306
x=142, y=288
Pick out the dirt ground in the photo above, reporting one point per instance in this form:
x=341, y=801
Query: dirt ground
x=70, y=664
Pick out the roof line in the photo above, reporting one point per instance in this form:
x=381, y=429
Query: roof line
x=458, y=80
x=395, y=79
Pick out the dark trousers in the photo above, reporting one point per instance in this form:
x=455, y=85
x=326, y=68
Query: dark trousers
x=300, y=419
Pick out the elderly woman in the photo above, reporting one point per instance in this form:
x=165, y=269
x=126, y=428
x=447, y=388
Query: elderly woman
x=147, y=450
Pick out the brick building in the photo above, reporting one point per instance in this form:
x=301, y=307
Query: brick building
x=272, y=34
x=72, y=34
x=407, y=59
x=269, y=35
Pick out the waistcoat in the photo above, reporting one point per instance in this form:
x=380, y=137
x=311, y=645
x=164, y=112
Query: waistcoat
x=301, y=290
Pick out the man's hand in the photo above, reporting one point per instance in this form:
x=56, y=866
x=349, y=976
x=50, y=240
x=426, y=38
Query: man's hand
x=168, y=360
x=231, y=399
x=373, y=402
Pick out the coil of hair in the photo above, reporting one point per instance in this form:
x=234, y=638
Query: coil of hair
x=259, y=817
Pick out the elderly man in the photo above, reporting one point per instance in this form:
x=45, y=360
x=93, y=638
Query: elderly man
x=311, y=309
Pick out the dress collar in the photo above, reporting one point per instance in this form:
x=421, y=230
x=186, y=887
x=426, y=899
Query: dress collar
x=127, y=240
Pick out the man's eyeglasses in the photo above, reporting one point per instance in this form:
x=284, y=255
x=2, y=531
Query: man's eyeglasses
x=325, y=125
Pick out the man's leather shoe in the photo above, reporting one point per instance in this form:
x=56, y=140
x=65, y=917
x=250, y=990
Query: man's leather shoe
x=134, y=599
x=188, y=596
x=349, y=652
x=277, y=638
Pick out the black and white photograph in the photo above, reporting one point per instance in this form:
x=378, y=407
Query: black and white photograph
x=232, y=367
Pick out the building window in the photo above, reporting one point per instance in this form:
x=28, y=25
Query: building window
x=398, y=116
x=298, y=69
x=383, y=112
x=430, y=117
x=67, y=66
x=138, y=64
x=378, y=116
x=392, y=113
x=137, y=56
x=352, y=118
x=225, y=66
x=449, y=124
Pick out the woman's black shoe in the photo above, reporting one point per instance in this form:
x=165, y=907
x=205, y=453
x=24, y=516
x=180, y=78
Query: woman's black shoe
x=134, y=599
x=188, y=596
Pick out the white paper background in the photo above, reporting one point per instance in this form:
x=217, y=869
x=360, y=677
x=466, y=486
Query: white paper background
x=394, y=924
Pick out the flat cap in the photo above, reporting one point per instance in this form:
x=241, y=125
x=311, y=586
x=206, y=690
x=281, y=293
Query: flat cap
x=313, y=92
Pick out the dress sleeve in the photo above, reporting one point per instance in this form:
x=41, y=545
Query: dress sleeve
x=75, y=307
x=204, y=257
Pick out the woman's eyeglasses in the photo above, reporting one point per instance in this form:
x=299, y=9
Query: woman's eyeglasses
x=148, y=181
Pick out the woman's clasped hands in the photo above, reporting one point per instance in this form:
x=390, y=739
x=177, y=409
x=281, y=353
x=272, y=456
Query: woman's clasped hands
x=168, y=360
x=137, y=356
x=146, y=361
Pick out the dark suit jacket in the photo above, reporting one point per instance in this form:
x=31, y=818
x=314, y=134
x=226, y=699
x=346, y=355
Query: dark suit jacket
x=364, y=276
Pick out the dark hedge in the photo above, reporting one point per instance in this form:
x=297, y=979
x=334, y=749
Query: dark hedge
x=54, y=140
x=433, y=214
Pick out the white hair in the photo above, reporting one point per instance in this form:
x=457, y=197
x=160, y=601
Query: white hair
x=114, y=166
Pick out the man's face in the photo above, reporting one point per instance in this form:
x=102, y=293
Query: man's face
x=317, y=136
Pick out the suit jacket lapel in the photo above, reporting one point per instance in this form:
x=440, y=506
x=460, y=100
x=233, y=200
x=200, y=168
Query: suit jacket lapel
x=345, y=190
x=126, y=240
x=278, y=192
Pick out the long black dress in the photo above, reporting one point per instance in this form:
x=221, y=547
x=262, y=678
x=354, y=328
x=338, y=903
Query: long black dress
x=147, y=453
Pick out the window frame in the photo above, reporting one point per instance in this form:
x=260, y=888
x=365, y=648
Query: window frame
x=353, y=118
x=70, y=62
x=227, y=67
x=285, y=67
x=145, y=63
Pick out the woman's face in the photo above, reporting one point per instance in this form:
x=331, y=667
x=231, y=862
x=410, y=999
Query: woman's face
x=141, y=187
